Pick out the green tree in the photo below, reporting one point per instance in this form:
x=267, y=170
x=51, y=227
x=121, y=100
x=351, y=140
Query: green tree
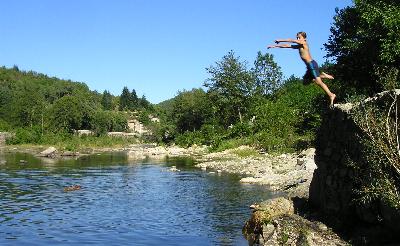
x=288, y=120
x=230, y=87
x=191, y=110
x=101, y=122
x=125, y=102
x=364, y=42
x=70, y=113
x=106, y=100
x=143, y=103
x=135, y=100
x=28, y=106
x=268, y=74
x=6, y=96
x=119, y=122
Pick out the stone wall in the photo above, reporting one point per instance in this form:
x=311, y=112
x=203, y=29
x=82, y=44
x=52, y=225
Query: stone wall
x=340, y=161
x=332, y=183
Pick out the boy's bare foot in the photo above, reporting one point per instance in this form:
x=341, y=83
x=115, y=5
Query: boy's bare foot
x=332, y=97
x=326, y=76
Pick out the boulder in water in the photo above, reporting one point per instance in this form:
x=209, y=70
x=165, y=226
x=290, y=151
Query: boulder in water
x=49, y=152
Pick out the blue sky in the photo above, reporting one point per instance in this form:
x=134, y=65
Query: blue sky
x=155, y=47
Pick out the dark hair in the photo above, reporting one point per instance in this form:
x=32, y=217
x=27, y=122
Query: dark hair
x=302, y=34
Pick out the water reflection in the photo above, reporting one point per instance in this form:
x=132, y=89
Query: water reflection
x=121, y=202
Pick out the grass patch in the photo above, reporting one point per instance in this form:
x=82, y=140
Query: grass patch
x=231, y=144
x=246, y=152
x=76, y=143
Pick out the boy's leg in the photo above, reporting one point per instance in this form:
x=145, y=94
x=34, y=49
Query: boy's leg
x=319, y=82
x=326, y=76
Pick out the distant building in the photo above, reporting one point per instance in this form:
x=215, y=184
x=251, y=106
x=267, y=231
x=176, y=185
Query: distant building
x=83, y=132
x=135, y=126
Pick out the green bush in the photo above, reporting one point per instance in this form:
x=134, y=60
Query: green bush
x=4, y=126
x=51, y=138
x=288, y=121
x=26, y=136
x=212, y=134
x=246, y=152
x=190, y=138
x=240, y=130
x=231, y=144
x=378, y=171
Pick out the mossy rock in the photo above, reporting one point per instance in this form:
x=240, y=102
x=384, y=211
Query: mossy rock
x=264, y=213
x=274, y=223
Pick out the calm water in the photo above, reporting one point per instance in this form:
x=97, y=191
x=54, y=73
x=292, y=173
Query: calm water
x=121, y=202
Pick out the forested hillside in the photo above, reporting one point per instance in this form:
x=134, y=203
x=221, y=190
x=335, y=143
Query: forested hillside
x=38, y=107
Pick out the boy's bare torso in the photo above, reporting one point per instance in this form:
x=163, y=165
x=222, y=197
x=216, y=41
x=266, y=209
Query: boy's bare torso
x=304, y=52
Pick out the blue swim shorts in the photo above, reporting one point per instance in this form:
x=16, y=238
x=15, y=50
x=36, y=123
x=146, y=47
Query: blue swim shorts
x=311, y=73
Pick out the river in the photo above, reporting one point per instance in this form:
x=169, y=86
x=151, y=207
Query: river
x=121, y=202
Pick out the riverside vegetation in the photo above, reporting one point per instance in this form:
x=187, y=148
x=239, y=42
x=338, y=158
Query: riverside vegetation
x=238, y=105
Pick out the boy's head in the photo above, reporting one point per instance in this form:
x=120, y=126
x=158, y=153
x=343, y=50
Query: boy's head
x=302, y=34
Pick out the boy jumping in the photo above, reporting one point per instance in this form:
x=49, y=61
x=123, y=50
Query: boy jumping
x=312, y=72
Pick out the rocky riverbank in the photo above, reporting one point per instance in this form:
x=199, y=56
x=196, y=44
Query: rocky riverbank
x=286, y=172
x=284, y=220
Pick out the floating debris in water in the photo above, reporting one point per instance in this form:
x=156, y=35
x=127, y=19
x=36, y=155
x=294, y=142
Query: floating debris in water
x=174, y=169
x=72, y=188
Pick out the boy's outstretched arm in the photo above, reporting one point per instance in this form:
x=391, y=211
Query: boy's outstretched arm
x=289, y=40
x=279, y=46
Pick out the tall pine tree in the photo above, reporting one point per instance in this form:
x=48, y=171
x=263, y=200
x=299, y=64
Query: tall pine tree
x=106, y=100
x=135, y=100
x=125, y=102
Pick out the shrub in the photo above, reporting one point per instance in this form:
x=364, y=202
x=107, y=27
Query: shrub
x=240, y=130
x=26, y=136
x=4, y=126
x=246, y=152
x=231, y=144
x=379, y=177
x=288, y=121
x=190, y=138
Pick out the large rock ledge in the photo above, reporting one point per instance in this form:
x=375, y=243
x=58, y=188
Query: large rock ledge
x=274, y=223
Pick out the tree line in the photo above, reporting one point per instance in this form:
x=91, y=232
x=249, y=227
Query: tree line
x=36, y=106
x=244, y=105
